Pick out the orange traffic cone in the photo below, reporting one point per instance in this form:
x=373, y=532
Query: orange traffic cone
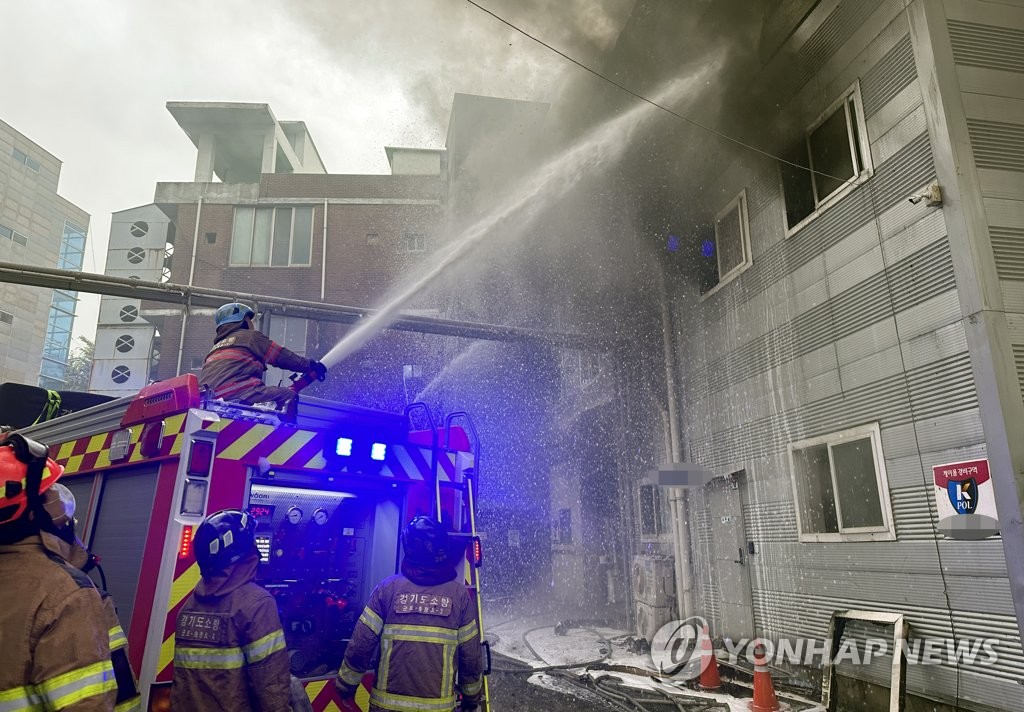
x=709, y=678
x=764, y=691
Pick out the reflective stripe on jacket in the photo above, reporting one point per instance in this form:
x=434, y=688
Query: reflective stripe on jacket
x=229, y=651
x=55, y=646
x=128, y=698
x=239, y=358
x=428, y=639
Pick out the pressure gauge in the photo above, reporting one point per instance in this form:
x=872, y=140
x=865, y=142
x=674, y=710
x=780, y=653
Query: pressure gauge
x=294, y=515
x=320, y=516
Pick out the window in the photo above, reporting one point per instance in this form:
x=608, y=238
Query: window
x=13, y=235
x=372, y=238
x=272, y=237
x=653, y=519
x=72, y=247
x=415, y=242
x=25, y=159
x=836, y=149
x=6, y=317
x=563, y=527
x=840, y=486
x=727, y=253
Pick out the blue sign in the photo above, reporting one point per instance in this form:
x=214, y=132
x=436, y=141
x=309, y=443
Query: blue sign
x=963, y=495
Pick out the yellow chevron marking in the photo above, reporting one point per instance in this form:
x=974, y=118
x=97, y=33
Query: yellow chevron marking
x=241, y=447
x=65, y=450
x=74, y=463
x=362, y=698
x=217, y=425
x=178, y=440
x=331, y=707
x=316, y=463
x=313, y=688
x=183, y=585
x=174, y=423
x=289, y=447
x=166, y=654
x=103, y=459
x=96, y=443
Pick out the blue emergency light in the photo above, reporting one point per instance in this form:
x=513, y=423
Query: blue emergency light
x=343, y=447
x=378, y=451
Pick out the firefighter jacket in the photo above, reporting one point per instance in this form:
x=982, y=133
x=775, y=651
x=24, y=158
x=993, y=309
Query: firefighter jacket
x=128, y=698
x=229, y=648
x=54, y=634
x=425, y=623
x=238, y=359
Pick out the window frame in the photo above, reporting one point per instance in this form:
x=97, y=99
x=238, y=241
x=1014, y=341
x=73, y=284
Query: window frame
x=414, y=243
x=660, y=521
x=272, y=236
x=887, y=530
x=861, y=158
x=738, y=203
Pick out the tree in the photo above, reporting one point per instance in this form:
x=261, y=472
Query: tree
x=79, y=371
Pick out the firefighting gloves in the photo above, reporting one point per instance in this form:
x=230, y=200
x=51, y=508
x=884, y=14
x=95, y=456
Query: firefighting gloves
x=345, y=692
x=319, y=369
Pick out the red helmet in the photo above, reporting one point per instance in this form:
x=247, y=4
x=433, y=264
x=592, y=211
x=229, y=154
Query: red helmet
x=17, y=454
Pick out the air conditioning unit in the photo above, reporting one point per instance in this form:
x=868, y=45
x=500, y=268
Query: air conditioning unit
x=650, y=618
x=653, y=580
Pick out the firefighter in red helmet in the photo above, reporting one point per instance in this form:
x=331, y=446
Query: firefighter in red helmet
x=229, y=648
x=424, y=622
x=234, y=367
x=56, y=643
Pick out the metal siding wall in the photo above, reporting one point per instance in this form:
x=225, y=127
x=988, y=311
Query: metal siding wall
x=989, y=55
x=987, y=46
x=119, y=532
x=805, y=343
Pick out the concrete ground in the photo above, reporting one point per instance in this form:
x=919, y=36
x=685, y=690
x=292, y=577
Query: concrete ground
x=552, y=656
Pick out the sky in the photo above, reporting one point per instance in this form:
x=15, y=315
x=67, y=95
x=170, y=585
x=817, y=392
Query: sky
x=95, y=76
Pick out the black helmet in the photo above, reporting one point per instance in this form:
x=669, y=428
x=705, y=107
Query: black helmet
x=425, y=542
x=223, y=538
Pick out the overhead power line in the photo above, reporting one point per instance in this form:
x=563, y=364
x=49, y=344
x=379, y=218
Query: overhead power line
x=641, y=97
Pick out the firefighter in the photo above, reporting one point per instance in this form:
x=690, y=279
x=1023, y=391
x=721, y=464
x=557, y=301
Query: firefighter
x=54, y=635
x=234, y=367
x=60, y=504
x=229, y=648
x=424, y=622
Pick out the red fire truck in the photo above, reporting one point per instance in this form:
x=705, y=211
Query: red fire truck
x=331, y=493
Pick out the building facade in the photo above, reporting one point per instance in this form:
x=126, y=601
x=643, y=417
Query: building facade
x=41, y=228
x=839, y=332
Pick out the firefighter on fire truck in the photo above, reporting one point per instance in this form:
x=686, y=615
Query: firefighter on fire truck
x=424, y=622
x=229, y=651
x=234, y=367
x=56, y=636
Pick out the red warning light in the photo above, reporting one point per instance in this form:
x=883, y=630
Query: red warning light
x=185, y=546
x=478, y=552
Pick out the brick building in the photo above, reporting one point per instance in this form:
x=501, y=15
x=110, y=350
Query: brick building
x=275, y=224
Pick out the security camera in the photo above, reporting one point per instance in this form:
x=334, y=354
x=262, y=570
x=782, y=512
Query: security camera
x=932, y=195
